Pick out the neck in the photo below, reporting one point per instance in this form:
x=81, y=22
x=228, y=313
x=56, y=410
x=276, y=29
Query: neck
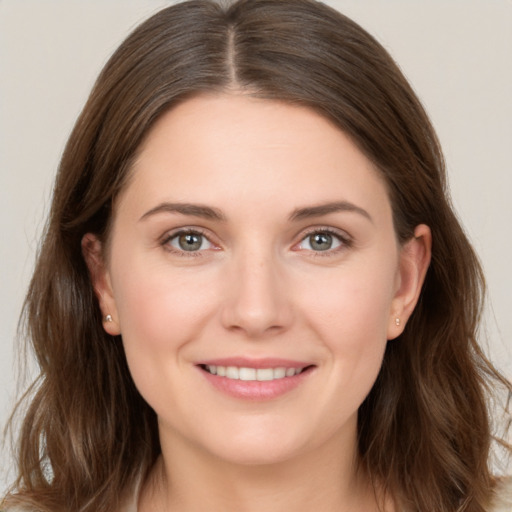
x=327, y=478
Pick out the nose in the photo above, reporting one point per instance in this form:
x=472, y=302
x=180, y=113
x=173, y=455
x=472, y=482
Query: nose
x=257, y=297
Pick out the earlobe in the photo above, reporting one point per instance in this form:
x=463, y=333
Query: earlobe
x=414, y=262
x=100, y=278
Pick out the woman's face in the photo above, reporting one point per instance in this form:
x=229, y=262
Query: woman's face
x=255, y=277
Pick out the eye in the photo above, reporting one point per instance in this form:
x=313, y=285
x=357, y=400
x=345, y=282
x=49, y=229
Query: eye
x=188, y=241
x=321, y=241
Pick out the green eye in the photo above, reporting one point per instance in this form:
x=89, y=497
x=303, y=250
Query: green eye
x=321, y=241
x=189, y=242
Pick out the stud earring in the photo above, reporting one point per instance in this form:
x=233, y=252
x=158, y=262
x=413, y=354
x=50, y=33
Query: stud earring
x=108, y=318
x=397, y=321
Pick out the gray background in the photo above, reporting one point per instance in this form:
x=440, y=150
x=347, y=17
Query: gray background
x=457, y=55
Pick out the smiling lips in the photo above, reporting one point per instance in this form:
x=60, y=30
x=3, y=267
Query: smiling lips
x=255, y=380
x=252, y=374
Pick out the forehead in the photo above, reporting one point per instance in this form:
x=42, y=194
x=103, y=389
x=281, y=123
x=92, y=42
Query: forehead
x=225, y=147
x=218, y=121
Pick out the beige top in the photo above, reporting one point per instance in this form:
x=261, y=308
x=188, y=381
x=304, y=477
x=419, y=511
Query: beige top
x=503, y=502
x=132, y=506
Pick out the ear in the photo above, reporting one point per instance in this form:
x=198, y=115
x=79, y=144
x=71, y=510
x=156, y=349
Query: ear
x=414, y=262
x=94, y=258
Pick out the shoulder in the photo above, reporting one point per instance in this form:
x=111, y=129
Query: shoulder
x=129, y=504
x=503, y=496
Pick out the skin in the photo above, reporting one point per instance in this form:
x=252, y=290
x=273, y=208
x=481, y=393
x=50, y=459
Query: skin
x=257, y=287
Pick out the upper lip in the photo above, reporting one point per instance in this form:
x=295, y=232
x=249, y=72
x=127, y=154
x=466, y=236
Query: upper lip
x=244, y=362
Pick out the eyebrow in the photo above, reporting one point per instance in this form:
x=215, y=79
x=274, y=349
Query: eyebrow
x=207, y=212
x=327, y=208
x=196, y=210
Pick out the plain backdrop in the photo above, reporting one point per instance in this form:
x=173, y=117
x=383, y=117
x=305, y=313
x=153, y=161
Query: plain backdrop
x=457, y=55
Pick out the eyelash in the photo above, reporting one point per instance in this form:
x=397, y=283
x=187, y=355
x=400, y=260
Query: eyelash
x=165, y=243
x=345, y=241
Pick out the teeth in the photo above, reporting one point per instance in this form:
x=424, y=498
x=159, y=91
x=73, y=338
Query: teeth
x=265, y=374
x=280, y=373
x=247, y=374
x=251, y=374
x=232, y=372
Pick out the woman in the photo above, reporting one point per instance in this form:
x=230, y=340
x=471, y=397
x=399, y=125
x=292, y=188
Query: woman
x=253, y=293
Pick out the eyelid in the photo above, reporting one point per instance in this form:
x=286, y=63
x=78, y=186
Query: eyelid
x=186, y=230
x=343, y=237
x=346, y=241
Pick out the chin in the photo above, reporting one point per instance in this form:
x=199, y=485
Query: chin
x=269, y=448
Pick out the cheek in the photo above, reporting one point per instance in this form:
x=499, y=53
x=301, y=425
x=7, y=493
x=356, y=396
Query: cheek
x=355, y=337
x=160, y=312
x=351, y=315
x=355, y=302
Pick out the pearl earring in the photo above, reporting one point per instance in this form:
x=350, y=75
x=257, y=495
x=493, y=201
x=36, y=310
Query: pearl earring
x=397, y=321
x=108, y=318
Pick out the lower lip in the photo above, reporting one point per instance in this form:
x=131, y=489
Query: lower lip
x=254, y=389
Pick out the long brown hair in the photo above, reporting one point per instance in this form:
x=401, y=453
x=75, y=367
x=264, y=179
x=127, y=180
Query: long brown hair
x=424, y=429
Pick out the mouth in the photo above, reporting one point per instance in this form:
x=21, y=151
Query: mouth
x=253, y=374
x=255, y=380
